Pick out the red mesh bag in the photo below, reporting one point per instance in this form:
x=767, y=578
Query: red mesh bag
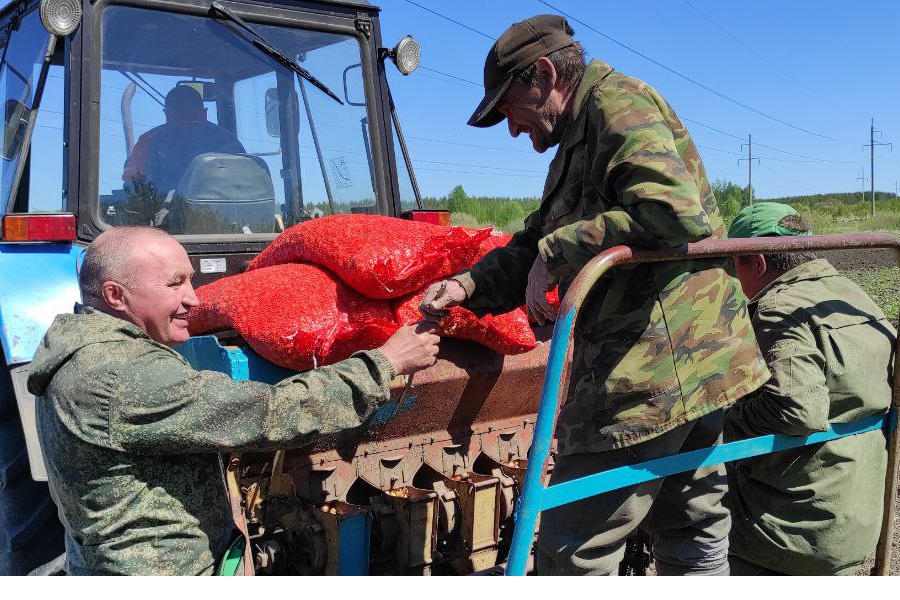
x=494, y=240
x=379, y=257
x=508, y=333
x=295, y=315
x=553, y=298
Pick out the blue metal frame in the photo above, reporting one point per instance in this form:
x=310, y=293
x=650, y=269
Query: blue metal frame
x=536, y=497
x=354, y=532
x=241, y=363
x=40, y=281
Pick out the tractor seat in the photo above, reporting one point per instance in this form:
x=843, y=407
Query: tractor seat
x=225, y=193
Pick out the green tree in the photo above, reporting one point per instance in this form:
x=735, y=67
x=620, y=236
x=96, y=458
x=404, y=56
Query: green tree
x=745, y=196
x=457, y=201
x=732, y=205
x=729, y=198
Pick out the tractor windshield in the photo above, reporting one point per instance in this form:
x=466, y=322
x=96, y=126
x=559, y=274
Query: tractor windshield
x=201, y=133
x=23, y=46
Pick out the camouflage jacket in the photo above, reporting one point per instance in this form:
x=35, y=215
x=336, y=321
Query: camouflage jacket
x=814, y=510
x=130, y=435
x=657, y=345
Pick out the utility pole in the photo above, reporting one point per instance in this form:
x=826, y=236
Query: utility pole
x=862, y=183
x=872, y=143
x=749, y=160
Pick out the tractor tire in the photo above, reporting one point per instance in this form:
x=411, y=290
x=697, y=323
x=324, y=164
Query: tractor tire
x=30, y=532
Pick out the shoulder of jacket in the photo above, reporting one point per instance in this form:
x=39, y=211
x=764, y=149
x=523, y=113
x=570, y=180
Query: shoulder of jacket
x=122, y=355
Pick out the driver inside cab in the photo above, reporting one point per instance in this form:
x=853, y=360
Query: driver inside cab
x=161, y=156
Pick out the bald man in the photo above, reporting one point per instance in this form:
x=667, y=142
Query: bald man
x=132, y=435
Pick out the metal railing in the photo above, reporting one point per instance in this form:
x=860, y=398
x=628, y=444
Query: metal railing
x=536, y=497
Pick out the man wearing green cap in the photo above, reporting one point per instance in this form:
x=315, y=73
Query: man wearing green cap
x=815, y=510
x=660, y=350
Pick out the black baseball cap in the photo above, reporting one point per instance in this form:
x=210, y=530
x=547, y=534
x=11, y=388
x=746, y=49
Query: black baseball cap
x=519, y=46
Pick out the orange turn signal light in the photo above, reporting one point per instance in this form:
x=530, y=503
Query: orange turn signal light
x=38, y=228
x=435, y=217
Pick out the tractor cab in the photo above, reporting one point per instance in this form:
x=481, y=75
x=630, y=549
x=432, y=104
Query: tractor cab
x=221, y=123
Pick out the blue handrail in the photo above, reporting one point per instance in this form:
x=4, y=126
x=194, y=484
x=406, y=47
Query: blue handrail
x=536, y=497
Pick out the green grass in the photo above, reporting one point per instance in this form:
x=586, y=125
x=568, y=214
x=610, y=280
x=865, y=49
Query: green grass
x=883, y=285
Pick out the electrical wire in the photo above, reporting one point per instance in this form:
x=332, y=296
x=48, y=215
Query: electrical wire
x=454, y=21
x=691, y=80
x=450, y=164
x=710, y=127
x=769, y=63
x=458, y=78
x=720, y=150
x=687, y=78
x=475, y=173
x=497, y=148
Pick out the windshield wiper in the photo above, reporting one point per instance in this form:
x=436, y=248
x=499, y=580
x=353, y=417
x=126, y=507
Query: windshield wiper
x=217, y=10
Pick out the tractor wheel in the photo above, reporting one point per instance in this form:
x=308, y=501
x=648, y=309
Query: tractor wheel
x=30, y=532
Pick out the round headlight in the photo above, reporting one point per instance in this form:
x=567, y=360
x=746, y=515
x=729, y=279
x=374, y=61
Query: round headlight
x=60, y=17
x=406, y=55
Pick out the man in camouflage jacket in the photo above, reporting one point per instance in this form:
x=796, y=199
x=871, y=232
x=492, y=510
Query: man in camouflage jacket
x=132, y=435
x=660, y=349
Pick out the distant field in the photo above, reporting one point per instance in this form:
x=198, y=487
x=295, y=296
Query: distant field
x=876, y=272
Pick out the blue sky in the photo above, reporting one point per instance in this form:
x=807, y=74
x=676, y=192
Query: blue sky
x=814, y=66
x=825, y=67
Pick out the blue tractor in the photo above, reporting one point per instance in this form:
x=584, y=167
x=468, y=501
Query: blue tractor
x=222, y=123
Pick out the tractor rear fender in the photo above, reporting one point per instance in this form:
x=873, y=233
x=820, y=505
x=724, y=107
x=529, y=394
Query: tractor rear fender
x=40, y=281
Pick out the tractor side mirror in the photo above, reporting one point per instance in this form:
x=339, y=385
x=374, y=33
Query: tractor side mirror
x=354, y=94
x=273, y=112
x=273, y=125
x=15, y=124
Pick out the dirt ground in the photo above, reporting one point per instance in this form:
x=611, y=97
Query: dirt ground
x=856, y=260
x=876, y=272
x=895, y=556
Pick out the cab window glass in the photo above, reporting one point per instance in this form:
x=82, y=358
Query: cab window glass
x=22, y=59
x=201, y=133
x=45, y=170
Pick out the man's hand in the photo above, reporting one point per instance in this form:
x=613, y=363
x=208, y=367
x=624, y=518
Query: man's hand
x=441, y=296
x=540, y=281
x=412, y=348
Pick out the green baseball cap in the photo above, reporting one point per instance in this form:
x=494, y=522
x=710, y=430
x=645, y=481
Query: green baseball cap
x=761, y=219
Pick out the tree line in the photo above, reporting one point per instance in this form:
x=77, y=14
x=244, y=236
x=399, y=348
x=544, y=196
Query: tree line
x=508, y=214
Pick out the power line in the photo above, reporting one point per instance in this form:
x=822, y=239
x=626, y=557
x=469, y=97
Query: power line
x=707, y=126
x=422, y=139
x=732, y=135
x=751, y=50
x=476, y=173
x=737, y=137
x=710, y=127
x=796, y=161
x=463, y=79
x=687, y=78
x=809, y=158
x=450, y=164
x=720, y=150
x=446, y=18
x=444, y=80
